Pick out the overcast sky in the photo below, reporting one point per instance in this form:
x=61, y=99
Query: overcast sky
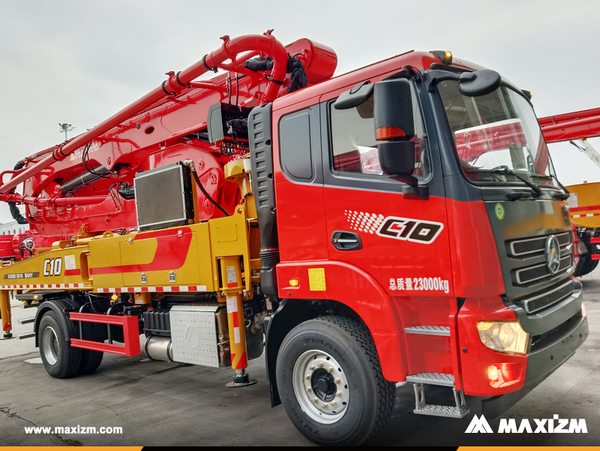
x=81, y=61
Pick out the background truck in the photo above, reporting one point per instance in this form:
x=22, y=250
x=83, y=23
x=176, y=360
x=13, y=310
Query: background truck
x=399, y=223
x=584, y=201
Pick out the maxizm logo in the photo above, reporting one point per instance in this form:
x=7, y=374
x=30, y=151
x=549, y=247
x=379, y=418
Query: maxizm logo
x=554, y=425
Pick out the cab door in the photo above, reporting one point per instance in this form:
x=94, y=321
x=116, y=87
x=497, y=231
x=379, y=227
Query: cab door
x=400, y=242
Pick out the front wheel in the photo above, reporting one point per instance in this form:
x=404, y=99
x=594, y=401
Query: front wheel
x=330, y=382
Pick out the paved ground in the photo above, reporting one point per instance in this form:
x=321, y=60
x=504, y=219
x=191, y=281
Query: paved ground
x=166, y=404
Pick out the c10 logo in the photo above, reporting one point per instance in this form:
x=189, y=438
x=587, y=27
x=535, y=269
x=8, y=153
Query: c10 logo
x=424, y=232
x=53, y=266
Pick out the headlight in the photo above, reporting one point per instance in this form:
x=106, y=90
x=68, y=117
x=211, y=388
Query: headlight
x=503, y=336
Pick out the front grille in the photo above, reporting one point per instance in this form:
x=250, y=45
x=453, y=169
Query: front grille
x=546, y=300
x=564, y=238
x=538, y=272
x=536, y=245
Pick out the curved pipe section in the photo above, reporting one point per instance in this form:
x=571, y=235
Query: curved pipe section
x=266, y=44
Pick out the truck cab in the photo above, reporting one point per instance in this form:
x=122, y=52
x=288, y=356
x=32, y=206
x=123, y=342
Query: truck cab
x=418, y=196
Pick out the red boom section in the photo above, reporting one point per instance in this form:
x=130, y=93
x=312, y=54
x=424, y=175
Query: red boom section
x=570, y=126
x=173, y=86
x=83, y=182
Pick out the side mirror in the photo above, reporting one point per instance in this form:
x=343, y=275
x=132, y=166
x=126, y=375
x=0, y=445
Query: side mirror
x=478, y=83
x=397, y=159
x=393, y=110
x=395, y=125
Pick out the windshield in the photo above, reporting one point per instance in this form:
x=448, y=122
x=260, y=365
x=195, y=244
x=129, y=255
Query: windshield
x=496, y=132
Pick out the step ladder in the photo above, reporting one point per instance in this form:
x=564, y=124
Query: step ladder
x=446, y=380
x=460, y=409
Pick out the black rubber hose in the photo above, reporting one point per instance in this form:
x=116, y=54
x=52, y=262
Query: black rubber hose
x=14, y=210
x=225, y=212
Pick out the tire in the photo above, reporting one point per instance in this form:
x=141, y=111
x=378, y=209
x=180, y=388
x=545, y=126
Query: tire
x=585, y=266
x=59, y=358
x=579, y=268
x=90, y=361
x=354, y=401
x=593, y=265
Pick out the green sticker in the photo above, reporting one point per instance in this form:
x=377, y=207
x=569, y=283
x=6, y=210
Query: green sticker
x=499, y=211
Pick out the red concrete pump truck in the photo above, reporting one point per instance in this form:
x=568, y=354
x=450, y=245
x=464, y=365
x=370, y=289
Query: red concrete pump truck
x=399, y=223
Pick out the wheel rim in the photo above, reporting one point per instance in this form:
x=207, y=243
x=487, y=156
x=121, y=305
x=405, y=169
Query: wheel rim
x=50, y=345
x=320, y=386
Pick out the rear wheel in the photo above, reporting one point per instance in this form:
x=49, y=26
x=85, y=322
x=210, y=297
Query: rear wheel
x=59, y=358
x=90, y=361
x=330, y=382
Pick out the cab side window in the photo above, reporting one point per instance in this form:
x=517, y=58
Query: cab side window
x=300, y=146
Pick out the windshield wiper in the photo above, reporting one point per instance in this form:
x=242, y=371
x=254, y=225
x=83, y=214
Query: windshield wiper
x=560, y=196
x=537, y=192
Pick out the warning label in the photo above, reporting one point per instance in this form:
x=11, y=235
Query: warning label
x=231, y=277
x=70, y=262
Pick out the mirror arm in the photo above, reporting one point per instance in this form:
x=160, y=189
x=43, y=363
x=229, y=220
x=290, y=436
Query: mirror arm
x=416, y=192
x=405, y=72
x=412, y=190
x=436, y=76
x=408, y=179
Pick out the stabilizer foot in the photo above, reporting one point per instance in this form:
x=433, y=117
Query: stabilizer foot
x=241, y=379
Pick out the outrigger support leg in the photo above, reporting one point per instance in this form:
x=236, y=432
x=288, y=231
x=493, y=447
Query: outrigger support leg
x=5, y=313
x=231, y=274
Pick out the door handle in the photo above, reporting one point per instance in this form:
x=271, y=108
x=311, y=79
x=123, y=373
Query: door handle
x=346, y=241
